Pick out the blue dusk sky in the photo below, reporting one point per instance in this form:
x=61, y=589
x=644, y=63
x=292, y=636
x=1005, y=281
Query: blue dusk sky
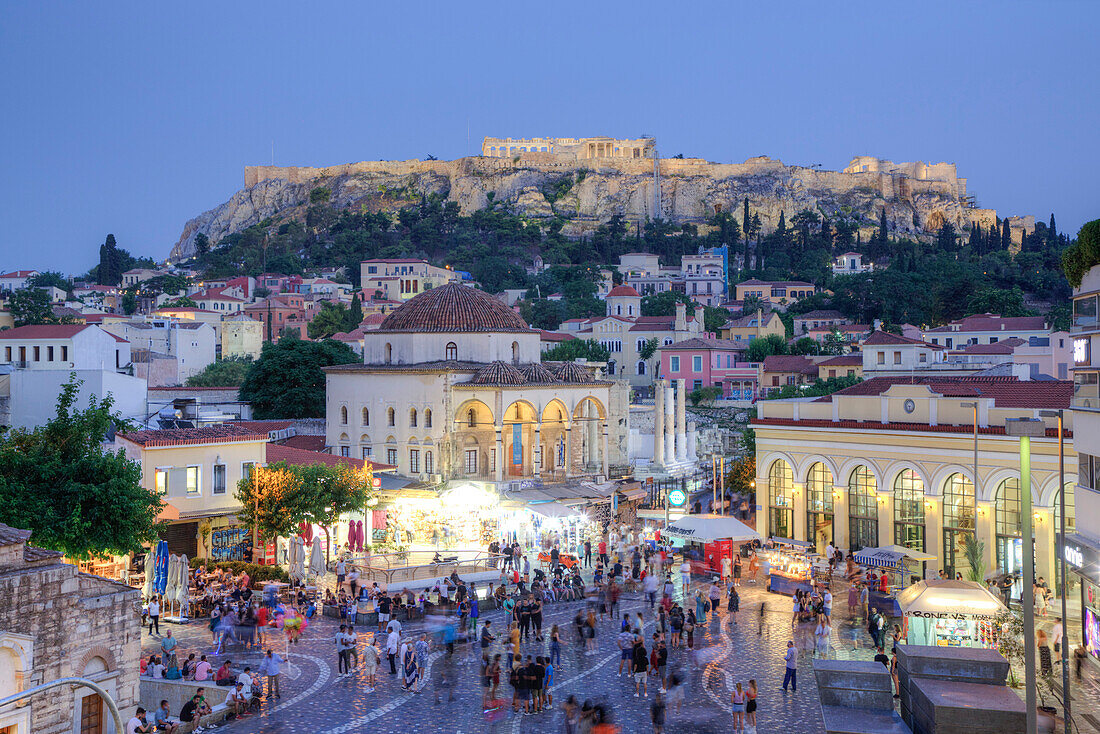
x=131, y=118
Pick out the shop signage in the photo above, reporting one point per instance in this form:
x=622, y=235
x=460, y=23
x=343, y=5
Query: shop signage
x=677, y=498
x=1084, y=558
x=233, y=543
x=1074, y=556
x=950, y=615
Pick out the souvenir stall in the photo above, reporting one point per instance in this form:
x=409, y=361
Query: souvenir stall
x=949, y=613
x=542, y=525
x=710, y=537
x=898, y=566
x=789, y=565
x=463, y=517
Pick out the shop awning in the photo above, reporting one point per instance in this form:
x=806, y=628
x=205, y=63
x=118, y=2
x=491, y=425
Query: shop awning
x=890, y=556
x=946, y=598
x=704, y=528
x=791, y=541
x=553, y=509
x=168, y=513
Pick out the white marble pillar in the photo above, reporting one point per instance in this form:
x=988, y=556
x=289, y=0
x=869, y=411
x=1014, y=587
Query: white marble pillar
x=670, y=429
x=568, y=451
x=606, y=465
x=692, y=455
x=499, y=468
x=536, y=451
x=681, y=420
x=658, y=423
x=593, y=436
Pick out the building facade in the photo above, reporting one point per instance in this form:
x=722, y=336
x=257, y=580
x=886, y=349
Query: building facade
x=571, y=148
x=891, y=461
x=709, y=362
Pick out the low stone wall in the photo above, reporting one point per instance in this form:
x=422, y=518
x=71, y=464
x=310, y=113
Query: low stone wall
x=857, y=698
x=179, y=692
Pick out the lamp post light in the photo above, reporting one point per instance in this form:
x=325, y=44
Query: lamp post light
x=1025, y=429
x=1060, y=415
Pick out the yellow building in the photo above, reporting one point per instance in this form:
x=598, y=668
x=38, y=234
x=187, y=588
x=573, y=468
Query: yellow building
x=779, y=292
x=891, y=460
x=842, y=365
x=753, y=326
x=242, y=336
x=196, y=471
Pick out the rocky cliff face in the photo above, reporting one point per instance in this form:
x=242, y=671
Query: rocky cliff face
x=590, y=192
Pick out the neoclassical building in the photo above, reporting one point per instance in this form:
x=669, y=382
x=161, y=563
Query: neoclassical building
x=452, y=387
x=891, y=461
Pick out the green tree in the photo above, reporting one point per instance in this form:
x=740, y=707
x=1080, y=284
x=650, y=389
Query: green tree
x=805, y=345
x=287, y=380
x=545, y=314
x=741, y=478
x=74, y=495
x=834, y=343
x=568, y=351
x=181, y=302
x=714, y=317
x=129, y=303
x=818, y=389
x=355, y=313
x=1006, y=302
x=32, y=306
x=1006, y=235
x=748, y=441
x=649, y=349
x=202, y=245
x=765, y=347
x=1083, y=254
x=226, y=372
x=331, y=319
x=50, y=278
x=663, y=304
x=704, y=395
x=277, y=498
x=110, y=262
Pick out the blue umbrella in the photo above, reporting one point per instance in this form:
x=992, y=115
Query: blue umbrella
x=160, y=580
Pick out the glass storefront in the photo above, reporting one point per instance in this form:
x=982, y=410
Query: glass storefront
x=819, y=506
x=862, y=510
x=909, y=510
x=959, y=511
x=781, y=497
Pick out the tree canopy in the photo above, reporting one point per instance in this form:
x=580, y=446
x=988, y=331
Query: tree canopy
x=568, y=351
x=287, y=381
x=32, y=306
x=225, y=372
x=72, y=493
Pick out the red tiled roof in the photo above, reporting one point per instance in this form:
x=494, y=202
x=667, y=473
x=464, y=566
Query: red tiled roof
x=993, y=322
x=307, y=443
x=843, y=360
x=454, y=308
x=886, y=338
x=553, y=336
x=396, y=260
x=876, y=426
x=781, y=283
x=820, y=314
x=222, y=433
x=1007, y=392
x=46, y=331
x=708, y=343
x=1008, y=346
x=263, y=426
x=623, y=290
x=789, y=363
x=748, y=319
x=19, y=274
x=291, y=455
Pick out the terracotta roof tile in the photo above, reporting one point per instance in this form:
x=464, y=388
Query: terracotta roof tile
x=453, y=308
x=993, y=322
x=292, y=455
x=1007, y=392
x=877, y=426
x=222, y=433
x=45, y=331
x=886, y=338
x=623, y=290
x=789, y=363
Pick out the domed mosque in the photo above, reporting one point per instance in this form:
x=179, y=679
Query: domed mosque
x=452, y=387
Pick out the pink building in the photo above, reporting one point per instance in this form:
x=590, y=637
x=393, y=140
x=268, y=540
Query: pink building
x=710, y=362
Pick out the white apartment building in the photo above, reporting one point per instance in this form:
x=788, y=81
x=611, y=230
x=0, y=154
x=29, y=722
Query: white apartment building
x=986, y=328
x=63, y=347
x=400, y=279
x=192, y=343
x=16, y=280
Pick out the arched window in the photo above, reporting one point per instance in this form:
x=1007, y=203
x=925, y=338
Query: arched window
x=366, y=417
x=389, y=416
x=515, y=352
x=1009, y=527
x=909, y=510
x=641, y=366
x=780, y=494
x=862, y=510
x=471, y=418
x=959, y=511
x=412, y=418
x=819, y=506
x=389, y=352
x=343, y=415
x=427, y=417
x=450, y=352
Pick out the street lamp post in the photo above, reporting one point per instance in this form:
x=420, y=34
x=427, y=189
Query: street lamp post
x=1060, y=415
x=1025, y=429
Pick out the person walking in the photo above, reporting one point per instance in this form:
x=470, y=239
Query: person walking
x=154, y=615
x=421, y=650
x=393, y=644
x=714, y=596
x=1046, y=665
x=588, y=554
x=640, y=666
x=340, y=640
x=791, y=674
x=409, y=668
x=733, y=604
x=371, y=657
x=555, y=646
x=272, y=667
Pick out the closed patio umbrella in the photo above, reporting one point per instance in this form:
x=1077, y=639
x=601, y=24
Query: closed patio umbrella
x=317, y=559
x=150, y=563
x=183, y=584
x=170, y=585
x=160, y=578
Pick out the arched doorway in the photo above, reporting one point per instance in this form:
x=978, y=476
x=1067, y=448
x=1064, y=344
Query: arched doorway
x=909, y=510
x=819, y=506
x=862, y=510
x=781, y=499
x=959, y=510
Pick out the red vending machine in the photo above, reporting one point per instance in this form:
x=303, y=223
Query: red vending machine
x=715, y=551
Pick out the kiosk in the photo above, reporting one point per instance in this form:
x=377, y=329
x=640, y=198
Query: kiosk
x=789, y=566
x=949, y=613
x=719, y=535
x=899, y=562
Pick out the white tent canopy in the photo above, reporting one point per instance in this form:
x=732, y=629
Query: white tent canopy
x=704, y=528
x=553, y=509
x=947, y=598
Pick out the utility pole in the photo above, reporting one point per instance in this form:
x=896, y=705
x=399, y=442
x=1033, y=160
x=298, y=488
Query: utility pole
x=1060, y=415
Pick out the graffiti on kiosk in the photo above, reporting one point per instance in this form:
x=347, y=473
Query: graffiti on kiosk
x=231, y=544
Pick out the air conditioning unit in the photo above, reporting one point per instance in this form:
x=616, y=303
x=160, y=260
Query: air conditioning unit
x=515, y=486
x=435, y=478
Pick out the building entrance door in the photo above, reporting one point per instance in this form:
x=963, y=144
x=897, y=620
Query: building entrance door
x=91, y=714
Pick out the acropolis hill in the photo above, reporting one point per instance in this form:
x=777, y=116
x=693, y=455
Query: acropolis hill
x=610, y=176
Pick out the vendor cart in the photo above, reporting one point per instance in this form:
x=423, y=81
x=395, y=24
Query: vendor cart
x=897, y=561
x=789, y=565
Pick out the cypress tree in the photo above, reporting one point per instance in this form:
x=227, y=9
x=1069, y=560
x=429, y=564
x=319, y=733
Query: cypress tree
x=976, y=243
x=1052, y=230
x=1006, y=235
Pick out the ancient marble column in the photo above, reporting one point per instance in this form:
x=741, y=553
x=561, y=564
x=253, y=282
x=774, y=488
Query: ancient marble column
x=681, y=420
x=593, y=435
x=692, y=454
x=536, y=451
x=499, y=469
x=658, y=423
x=670, y=429
x=603, y=450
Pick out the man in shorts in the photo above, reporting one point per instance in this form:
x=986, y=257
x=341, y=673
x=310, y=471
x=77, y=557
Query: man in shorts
x=371, y=657
x=383, y=612
x=625, y=641
x=640, y=666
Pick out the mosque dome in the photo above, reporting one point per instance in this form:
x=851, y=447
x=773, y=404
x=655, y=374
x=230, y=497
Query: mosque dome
x=453, y=308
